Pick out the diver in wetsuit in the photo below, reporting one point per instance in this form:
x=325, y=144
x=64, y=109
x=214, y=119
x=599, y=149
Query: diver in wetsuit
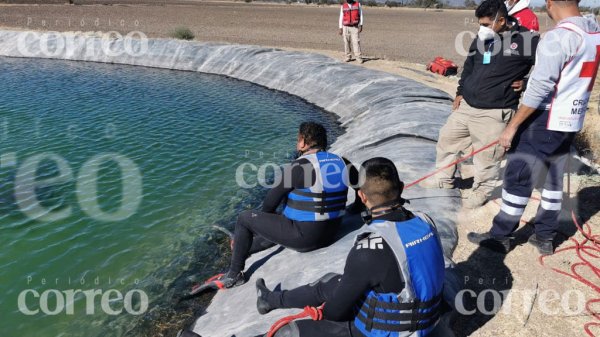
x=315, y=200
x=393, y=278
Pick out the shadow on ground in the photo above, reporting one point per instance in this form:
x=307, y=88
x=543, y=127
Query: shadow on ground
x=484, y=275
x=585, y=206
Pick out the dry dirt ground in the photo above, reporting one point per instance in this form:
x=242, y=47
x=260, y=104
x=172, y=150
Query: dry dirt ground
x=398, y=41
x=413, y=35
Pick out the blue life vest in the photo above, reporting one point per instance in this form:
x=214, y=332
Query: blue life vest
x=326, y=199
x=414, y=311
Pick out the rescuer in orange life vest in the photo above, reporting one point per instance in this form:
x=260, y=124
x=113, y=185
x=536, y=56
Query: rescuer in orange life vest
x=351, y=25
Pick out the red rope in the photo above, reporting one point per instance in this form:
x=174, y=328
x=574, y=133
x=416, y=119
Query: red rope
x=585, y=250
x=589, y=247
x=460, y=160
x=315, y=313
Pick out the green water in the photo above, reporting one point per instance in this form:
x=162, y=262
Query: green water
x=185, y=133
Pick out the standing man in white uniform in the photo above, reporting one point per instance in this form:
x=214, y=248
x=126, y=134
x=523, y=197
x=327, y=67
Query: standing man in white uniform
x=539, y=136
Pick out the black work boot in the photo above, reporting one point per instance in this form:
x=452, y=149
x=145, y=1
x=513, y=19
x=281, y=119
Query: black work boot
x=500, y=245
x=262, y=305
x=545, y=247
x=230, y=280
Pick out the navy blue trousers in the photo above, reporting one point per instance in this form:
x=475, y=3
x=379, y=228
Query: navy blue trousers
x=537, y=159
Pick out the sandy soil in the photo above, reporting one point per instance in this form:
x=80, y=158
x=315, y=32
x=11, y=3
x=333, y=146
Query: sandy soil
x=543, y=303
x=399, y=41
x=393, y=34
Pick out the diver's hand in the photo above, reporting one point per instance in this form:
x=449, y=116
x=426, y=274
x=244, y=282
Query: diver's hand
x=340, y=32
x=360, y=29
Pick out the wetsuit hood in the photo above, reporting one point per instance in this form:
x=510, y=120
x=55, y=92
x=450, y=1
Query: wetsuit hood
x=397, y=215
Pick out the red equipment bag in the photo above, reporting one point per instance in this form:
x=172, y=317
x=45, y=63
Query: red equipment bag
x=443, y=67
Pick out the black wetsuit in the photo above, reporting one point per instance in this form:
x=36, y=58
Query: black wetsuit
x=258, y=230
x=368, y=267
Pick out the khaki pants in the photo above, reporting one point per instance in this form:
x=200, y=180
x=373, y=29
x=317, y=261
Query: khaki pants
x=466, y=127
x=351, y=42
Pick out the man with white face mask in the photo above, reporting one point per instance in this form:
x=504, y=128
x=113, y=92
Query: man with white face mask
x=488, y=93
x=540, y=135
x=519, y=9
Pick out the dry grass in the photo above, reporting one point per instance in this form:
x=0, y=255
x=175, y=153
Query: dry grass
x=588, y=142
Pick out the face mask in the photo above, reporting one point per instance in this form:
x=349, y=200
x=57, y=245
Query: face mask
x=487, y=33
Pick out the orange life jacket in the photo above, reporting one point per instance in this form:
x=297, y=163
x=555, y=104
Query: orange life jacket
x=351, y=14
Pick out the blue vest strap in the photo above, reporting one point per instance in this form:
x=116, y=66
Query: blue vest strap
x=415, y=325
x=420, y=260
x=326, y=199
x=409, y=306
x=320, y=207
x=418, y=319
x=323, y=194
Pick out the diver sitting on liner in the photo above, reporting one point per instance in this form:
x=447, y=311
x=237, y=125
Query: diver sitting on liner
x=315, y=201
x=393, y=278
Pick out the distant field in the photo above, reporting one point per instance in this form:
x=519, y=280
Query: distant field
x=414, y=35
x=403, y=34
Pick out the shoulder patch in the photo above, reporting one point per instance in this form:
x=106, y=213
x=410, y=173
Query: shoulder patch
x=370, y=242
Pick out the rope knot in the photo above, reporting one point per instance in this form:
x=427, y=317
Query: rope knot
x=315, y=313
